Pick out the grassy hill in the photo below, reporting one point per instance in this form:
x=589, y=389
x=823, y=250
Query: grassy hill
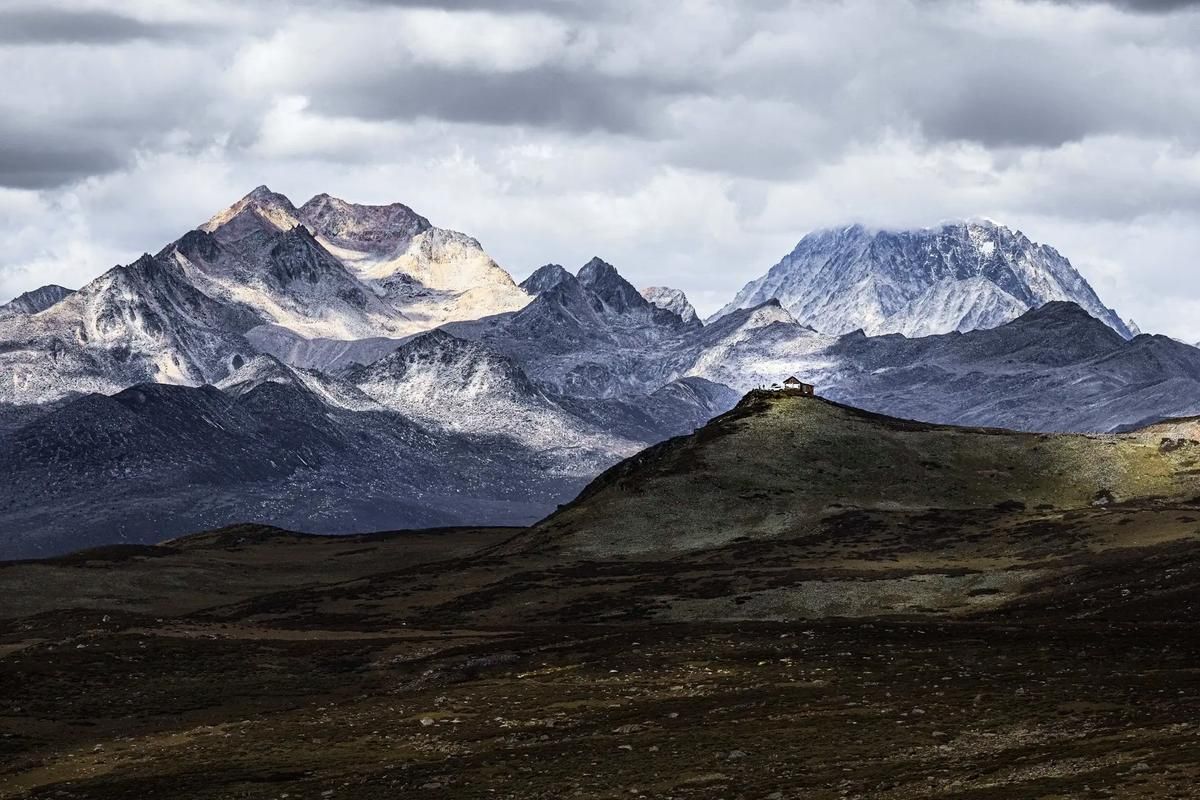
x=779, y=465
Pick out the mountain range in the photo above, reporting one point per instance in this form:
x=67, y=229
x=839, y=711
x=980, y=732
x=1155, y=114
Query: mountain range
x=343, y=367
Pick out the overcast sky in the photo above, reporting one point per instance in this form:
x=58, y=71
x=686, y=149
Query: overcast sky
x=690, y=143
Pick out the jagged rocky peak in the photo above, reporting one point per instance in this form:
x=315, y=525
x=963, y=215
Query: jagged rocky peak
x=961, y=275
x=381, y=230
x=36, y=300
x=545, y=278
x=196, y=245
x=1065, y=315
x=606, y=283
x=297, y=256
x=260, y=211
x=673, y=300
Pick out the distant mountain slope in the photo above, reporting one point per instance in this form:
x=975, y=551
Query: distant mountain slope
x=589, y=335
x=35, y=301
x=778, y=465
x=673, y=300
x=156, y=461
x=340, y=270
x=286, y=277
x=960, y=276
x=442, y=432
x=1055, y=368
x=469, y=388
x=136, y=323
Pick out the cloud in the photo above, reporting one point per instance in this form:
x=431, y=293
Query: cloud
x=31, y=159
x=543, y=97
x=41, y=25
x=1141, y=6
x=572, y=8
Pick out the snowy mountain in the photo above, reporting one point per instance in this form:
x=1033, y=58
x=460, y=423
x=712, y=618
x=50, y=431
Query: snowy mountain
x=589, y=335
x=337, y=270
x=466, y=387
x=136, y=323
x=1055, y=368
x=324, y=284
x=285, y=277
x=672, y=300
x=545, y=278
x=957, y=277
x=429, y=274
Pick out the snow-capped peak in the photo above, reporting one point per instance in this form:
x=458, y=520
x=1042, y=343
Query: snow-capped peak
x=886, y=281
x=365, y=270
x=262, y=208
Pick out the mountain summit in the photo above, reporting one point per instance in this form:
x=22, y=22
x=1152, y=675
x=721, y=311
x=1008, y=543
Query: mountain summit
x=960, y=276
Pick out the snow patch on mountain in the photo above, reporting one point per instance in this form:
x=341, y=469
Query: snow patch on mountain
x=467, y=387
x=430, y=274
x=673, y=300
x=953, y=305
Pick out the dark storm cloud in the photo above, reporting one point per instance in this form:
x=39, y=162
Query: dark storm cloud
x=549, y=97
x=1012, y=104
x=42, y=160
x=569, y=9
x=60, y=26
x=1139, y=6
x=499, y=6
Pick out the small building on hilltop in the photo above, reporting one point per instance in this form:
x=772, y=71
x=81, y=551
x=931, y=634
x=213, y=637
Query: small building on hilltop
x=794, y=384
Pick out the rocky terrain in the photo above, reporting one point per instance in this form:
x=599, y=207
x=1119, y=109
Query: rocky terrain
x=35, y=301
x=1014, y=618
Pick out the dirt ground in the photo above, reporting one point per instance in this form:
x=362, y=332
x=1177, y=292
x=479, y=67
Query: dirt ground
x=257, y=665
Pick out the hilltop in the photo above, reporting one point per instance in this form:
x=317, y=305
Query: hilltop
x=779, y=465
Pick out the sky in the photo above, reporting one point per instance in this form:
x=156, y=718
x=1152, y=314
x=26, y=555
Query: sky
x=690, y=143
